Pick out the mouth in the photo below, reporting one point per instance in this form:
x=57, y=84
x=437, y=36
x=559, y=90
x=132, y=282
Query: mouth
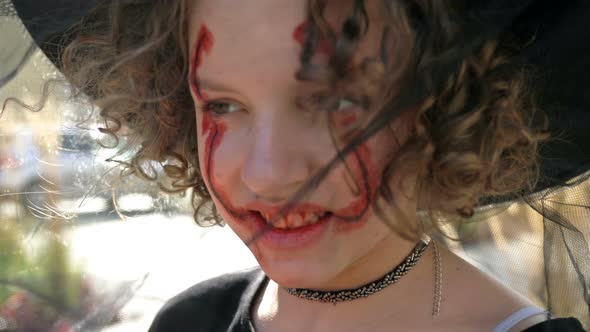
x=293, y=220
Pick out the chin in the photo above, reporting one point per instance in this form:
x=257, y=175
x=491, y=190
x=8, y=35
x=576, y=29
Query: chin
x=295, y=273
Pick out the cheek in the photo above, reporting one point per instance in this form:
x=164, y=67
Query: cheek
x=383, y=148
x=212, y=135
x=221, y=150
x=366, y=165
x=217, y=147
x=387, y=146
x=207, y=133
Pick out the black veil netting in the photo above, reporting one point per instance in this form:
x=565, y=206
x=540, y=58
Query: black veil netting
x=539, y=245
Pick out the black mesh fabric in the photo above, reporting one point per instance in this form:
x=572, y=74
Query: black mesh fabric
x=540, y=246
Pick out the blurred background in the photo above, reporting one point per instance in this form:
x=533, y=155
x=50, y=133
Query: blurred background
x=81, y=249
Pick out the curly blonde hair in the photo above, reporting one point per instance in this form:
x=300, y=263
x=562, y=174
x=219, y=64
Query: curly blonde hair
x=476, y=134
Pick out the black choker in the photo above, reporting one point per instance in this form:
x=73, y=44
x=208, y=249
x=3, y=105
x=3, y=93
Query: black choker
x=368, y=289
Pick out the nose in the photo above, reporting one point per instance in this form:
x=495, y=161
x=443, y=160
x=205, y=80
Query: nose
x=277, y=163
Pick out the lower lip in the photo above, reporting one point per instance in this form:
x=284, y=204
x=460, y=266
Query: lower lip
x=287, y=239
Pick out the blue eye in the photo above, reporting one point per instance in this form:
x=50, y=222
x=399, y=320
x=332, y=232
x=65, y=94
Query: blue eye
x=220, y=108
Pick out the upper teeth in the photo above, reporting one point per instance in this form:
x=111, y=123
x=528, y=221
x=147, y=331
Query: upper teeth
x=294, y=220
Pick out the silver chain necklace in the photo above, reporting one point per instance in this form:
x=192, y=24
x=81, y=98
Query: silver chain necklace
x=367, y=289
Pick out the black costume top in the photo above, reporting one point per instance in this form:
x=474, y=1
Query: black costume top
x=223, y=304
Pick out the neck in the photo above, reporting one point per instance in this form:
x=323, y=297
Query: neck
x=276, y=305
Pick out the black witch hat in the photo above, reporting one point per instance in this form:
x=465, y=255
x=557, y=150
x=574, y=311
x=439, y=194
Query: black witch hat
x=557, y=36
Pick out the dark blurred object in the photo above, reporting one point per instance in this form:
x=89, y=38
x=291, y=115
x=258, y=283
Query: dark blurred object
x=557, y=34
x=47, y=20
x=15, y=51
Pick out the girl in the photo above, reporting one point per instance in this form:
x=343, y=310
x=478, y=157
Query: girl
x=333, y=137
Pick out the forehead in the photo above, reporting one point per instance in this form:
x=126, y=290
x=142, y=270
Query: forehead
x=261, y=16
x=256, y=37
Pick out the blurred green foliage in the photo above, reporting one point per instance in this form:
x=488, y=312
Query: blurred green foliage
x=12, y=257
x=45, y=277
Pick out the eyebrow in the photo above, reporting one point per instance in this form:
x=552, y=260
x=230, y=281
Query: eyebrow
x=219, y=87
x=215, y=86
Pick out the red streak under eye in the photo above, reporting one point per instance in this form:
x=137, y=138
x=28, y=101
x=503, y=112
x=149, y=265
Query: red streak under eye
x=206, y=123
x=214, y=129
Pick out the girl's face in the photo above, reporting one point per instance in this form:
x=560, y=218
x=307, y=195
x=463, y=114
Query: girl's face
x=258, y=146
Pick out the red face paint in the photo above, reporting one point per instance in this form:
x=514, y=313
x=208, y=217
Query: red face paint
x=368, y=178
x=325, y=45
x=346, y=120
x=212, y=127
x=204, y=44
